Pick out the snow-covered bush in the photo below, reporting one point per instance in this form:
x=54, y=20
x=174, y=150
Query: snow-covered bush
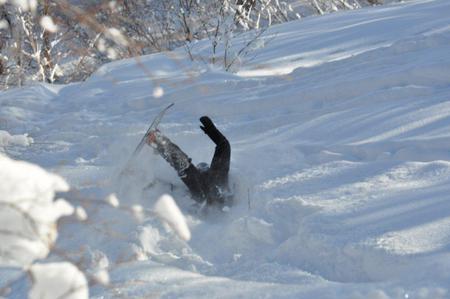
x=64, y=41
x=28, y=228
x=50, y=41
x=28, y=211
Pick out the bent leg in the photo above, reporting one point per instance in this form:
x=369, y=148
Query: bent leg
x=171, y=153
x=179, y=161
x=192, y=180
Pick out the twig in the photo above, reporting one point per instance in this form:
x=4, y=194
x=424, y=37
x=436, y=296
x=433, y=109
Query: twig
x=248, y=197
x=245, y=48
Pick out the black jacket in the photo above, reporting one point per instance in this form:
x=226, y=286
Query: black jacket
x=211, y=185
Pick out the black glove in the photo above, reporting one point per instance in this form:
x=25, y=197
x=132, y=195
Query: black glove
x=210, y=129
x=208, y=126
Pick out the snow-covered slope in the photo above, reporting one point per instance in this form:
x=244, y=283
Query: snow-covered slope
x=340, y=134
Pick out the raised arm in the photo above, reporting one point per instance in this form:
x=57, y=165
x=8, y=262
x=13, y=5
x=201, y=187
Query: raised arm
x=220, y=164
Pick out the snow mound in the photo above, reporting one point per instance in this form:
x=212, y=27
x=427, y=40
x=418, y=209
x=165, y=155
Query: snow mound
x=168, y=211
x=6, y=139
x=57, y=280
x=28, y=211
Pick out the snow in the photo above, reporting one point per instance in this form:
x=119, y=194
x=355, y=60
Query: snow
x=48, y=24
x=28, y=213
x=340, y=135
x=6, y=139
x=81, y=214
x=168, y=211
x=3, y=24
x=112, y=200
x=26, y=4
x=57, y=280
x=28, y=221
x=117, y=36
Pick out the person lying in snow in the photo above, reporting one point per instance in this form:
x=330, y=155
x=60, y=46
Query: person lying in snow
x=206, y=183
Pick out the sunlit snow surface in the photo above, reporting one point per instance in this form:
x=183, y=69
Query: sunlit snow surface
x=340, y=134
